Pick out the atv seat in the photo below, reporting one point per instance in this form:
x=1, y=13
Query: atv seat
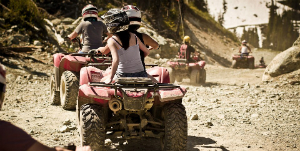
x=134, y=80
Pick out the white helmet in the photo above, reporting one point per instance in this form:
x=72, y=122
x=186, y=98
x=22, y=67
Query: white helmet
x=133, y=13
x=89, y=11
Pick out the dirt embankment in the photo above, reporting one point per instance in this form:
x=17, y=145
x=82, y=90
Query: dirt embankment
x=233, y=111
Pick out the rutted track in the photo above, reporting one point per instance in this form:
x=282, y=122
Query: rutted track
x=235, y=110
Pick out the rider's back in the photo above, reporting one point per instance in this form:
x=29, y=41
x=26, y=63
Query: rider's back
x=92, y=32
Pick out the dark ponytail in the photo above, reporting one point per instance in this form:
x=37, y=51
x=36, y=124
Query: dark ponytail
x=124, y=37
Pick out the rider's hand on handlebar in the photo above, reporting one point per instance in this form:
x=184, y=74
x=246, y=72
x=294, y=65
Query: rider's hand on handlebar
x=108, y=81
x=93, y=52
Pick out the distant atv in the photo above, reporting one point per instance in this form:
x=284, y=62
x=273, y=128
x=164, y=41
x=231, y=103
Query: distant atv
x=64, y=83
x=131, y=108
x=244, y=61
x=179, y=69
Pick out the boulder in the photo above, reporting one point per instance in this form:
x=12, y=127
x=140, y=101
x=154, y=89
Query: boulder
x=67, y=20
x=56, y=22
x=37, y=43
x=77, y=21
x=17, y=39
x=2, y=21
x=168, y=47
x=297, y=42
x=285, y=62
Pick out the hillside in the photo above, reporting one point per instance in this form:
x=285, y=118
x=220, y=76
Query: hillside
x=207, y=35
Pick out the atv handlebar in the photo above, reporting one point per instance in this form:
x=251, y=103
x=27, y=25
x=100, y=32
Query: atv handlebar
x=76, y=39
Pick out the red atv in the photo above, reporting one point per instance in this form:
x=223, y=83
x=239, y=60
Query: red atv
x=131, y=108
x=64, y=82
x=179, y=68
x=242, y=61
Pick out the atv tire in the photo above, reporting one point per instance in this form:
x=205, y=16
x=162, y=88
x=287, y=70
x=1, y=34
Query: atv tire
x=69, y=87
x=203, y=76
x=171, y=75
x=175, y=138
x=251, y=64
x=179, y=78
x=54, y=95
x=92, y=126
x=195, y=76
x=234, y=64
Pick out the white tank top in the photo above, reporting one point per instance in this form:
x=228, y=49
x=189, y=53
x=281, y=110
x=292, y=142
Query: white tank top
x=244, y=49
x=130, y=59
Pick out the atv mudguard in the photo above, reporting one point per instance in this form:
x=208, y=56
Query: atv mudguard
x=199, y=64
x=92, y=74
x=66, y=62
x=160, y=74
x=101, y=95
x=238, y=57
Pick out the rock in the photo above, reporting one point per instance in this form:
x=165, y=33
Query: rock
x=254, y=115
x=169, y=47
x=285, y=62
x=77, y=21
x=16, y=39
x=64, y=129
x=56, y=22
x=67, y=20
x=297, y=42
x=108, y=142
x=194, y=117
x=67, y=122
x=209, y=124
x=14, y=27
x=37, y=43
x=2, y=21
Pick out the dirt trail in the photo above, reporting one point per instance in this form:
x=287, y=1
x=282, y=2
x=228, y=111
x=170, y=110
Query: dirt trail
x=235, y=110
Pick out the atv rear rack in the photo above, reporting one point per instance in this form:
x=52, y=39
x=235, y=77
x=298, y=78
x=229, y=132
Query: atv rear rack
x=149, y=86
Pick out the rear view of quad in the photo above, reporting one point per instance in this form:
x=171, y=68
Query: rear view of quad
x=242, y=61
x=132, y=108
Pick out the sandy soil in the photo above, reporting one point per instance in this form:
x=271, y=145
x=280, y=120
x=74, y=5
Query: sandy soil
x=235, y=110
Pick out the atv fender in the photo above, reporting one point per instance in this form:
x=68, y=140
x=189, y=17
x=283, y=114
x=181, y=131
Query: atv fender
x=102, y=95
x=57, y=58
x=160, y=74
x=90, y=74
x=170, y=95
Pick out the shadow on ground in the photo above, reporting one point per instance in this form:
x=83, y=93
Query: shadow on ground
x=153, y=144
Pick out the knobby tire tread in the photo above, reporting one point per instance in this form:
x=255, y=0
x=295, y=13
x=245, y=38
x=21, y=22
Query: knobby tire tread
x=93, y=126
x=72, y=88
x=175, y=127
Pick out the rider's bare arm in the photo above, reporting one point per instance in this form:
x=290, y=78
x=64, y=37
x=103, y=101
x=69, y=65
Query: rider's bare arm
x=143, y=47
x=73, y=35
x=115, y=58
x=104, y=50
x=150, y=42
x=108, y=36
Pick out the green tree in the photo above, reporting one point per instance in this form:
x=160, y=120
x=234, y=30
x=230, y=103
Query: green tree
x=24, y=10
x=280, y=33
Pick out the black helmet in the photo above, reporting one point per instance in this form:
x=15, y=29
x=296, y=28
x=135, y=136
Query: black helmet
x=116, y=20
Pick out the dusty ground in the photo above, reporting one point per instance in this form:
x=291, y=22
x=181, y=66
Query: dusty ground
x=235, y=110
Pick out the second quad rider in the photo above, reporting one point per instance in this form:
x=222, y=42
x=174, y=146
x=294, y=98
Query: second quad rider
x=185, y=50
x=91, y=29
